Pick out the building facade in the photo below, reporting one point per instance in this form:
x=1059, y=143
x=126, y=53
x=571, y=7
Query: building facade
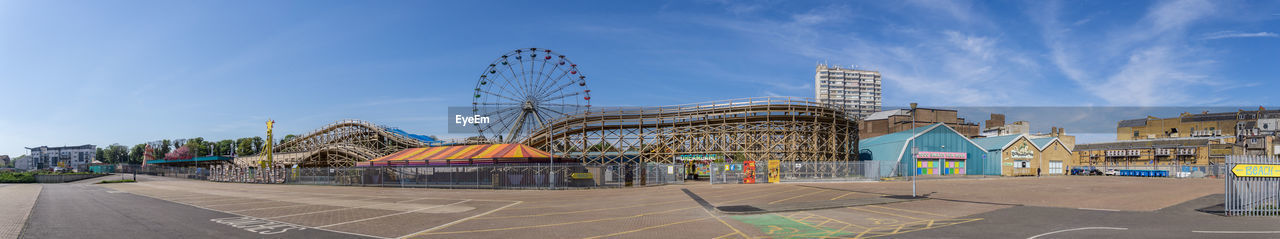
x=1157, y=152
x=996, y=127
x=1027, y=155
x=1255, y=132
x=899, y=120
x=74, y=157
x=857, y=91
x=937, y=149
x=23, y=163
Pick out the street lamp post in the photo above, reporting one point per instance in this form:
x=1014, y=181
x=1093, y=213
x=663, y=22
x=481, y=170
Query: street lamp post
x=913, y=152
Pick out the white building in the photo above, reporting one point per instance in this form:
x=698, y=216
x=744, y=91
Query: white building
x=858, y=91
x=45, y=157
x=23, y=163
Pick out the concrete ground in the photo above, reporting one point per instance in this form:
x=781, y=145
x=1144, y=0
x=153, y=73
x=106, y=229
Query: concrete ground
x=961, y=208
x=18, y=199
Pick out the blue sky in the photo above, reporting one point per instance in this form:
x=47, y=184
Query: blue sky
x=102, y=72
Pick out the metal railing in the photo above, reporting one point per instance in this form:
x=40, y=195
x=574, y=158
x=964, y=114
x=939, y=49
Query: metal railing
x=1257, y=194
x=733, y=173
x=1175, y=171
x=494, y=176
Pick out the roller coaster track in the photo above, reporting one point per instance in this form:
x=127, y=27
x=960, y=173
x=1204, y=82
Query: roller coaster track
x=769, y=128
x=339, y=144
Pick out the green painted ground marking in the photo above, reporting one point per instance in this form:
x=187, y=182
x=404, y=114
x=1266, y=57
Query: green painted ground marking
x=778, y=226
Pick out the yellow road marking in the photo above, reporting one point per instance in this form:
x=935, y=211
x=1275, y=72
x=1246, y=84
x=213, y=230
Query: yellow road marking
x=582, y=211
x=911, y=211
x=558, y=224
x=652, y=227
x=841, y=195
x=886, y=213
x=798, y=196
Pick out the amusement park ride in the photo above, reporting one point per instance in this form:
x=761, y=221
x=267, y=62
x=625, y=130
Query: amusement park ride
x=524, y=90
x=538, y=97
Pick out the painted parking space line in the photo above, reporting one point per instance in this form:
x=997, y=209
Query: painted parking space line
x=1077, y=229
x=394, y=214
x=242, y=215
x=1238, y=232
x=345, y=208
x=446, y=225
x=797, y=196
x=1099, y=209
x=558, y=224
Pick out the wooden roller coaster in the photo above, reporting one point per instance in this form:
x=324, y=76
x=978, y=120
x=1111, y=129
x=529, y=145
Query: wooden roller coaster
x=767, y=128
x=340, y=144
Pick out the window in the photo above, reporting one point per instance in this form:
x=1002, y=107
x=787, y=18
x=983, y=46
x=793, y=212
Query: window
x=1135, y=133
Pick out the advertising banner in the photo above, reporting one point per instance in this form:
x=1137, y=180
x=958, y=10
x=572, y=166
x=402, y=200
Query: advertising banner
x=749, y=172
x=774, y=173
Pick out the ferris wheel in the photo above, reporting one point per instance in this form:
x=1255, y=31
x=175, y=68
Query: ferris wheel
x=526, y=89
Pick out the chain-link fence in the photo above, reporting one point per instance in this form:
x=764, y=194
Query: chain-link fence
x=494, y=176
x=1252, y=186
x=733, y=173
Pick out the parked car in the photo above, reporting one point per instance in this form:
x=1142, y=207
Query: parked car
x=1111, y=172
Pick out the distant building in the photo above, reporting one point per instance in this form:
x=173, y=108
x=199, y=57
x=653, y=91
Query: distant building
x=45, y=157
x=996, y=127
x=1255, y=131
x=898, y=120
x=23, y=163
x=858, y=91
x=1156, y=152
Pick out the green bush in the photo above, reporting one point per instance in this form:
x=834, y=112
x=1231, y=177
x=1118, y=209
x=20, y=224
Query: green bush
x=118, y=181
x=17, y=177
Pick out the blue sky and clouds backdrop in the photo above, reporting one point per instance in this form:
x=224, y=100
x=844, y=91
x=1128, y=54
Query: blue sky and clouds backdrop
x=102, y=72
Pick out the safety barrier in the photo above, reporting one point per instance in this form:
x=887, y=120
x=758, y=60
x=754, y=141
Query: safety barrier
x=1252, y=186
x=492, y=176
x=62, y=178
x=735, y=172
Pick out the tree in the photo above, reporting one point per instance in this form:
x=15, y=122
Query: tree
x=196, y=146
x=164, y=148
x=100, y=156
x=257, y=144
x=135, y=153
x=244, y=146
x=287, y=138
x=225, y=147
x=117, y=153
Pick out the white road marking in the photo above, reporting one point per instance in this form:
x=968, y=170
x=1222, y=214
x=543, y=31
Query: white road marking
x=1099, y=209
x=462, y=220
x=1077, y=229
x=1238, y=232
x=393, y=214
x=345, y=208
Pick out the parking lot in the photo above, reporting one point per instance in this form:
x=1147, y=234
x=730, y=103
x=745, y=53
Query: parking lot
x=663, y=211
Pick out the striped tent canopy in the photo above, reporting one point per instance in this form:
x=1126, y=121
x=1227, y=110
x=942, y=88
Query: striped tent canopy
x=462, y=154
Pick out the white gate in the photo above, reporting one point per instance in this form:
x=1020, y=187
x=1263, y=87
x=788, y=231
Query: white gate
x=1055, y=167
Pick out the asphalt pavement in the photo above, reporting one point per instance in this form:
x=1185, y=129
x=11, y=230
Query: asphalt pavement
x=1178, y=221
x=84, y=210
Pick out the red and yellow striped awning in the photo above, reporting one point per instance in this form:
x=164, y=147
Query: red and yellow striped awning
x=464, y=154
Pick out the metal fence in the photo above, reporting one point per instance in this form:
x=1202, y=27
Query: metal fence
x=733, y=173
x=1175, y=171
x=1256, y=192
x=496, y=176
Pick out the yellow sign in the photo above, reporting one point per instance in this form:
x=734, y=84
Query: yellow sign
x=1256, y=170
x=774, y=174
x=580, y=176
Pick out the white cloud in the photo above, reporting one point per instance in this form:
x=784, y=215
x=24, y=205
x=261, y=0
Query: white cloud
x=941, y=65
x=1235, y=34
x=1148, y=62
